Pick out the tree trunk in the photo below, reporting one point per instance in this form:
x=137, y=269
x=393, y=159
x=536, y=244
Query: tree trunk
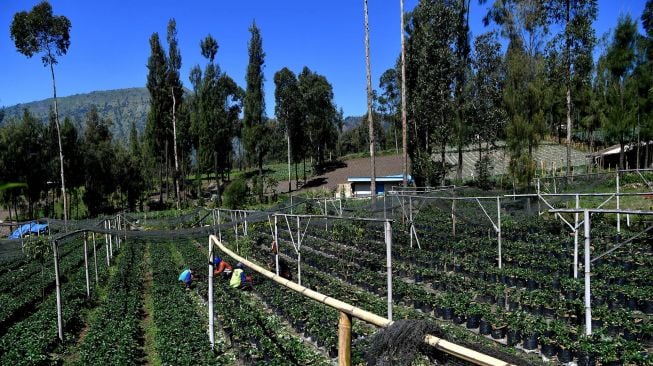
x=568, y=45
x=289, y=178
x=174, y=145
x=404, y=140
x=56, y=123
x=167, y=172
x=369, y=107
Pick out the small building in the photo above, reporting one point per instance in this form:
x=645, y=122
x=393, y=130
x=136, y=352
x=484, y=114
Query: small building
x=360, y=186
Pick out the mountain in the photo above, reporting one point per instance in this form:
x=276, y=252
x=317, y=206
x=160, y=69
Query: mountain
x=351, y=122
x=122, y=106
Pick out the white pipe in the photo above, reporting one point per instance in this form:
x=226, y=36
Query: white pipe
x=88, y=281
x=211, y=330
x=499, y=231
x=588, y=303
x=55, y=252
x=576, y=238
x=618, y=206
x=95, y=260
x=388, y=255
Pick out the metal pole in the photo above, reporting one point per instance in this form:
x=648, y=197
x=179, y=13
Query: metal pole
x=618, y=215
x=110, y=240
x=55, y=252
x=576, y=239
x=410, y=217
x=95, y=260
x=453, y=217
x=276, y=243
x=499, y=230
x=211, y=331
x=340, y=205
x=388, y=254
x=88, y=281
x=291, y=204
x=219, y=227
x=245, y=218
x=539, y=204
x=344, y=339
x=106, y=245
x=588, y=304
x=299, y=254
x=385, y=215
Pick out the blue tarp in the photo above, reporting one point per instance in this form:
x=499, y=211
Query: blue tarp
x=29, y=228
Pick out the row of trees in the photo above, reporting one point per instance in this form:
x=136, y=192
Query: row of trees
x=545, y=83
x=99, y=172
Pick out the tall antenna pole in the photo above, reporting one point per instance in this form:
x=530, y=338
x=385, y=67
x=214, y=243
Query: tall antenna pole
x=404, y=140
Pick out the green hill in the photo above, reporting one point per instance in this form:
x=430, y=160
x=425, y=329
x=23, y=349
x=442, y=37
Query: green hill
x=122, y=106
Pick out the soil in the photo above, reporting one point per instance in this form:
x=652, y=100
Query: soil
x=385, y=165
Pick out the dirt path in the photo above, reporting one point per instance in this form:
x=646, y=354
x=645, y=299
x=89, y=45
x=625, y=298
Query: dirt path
x=147, y=323
x=385, y=165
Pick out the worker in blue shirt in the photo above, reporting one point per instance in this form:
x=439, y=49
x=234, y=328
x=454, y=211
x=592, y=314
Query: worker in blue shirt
x=187, y=277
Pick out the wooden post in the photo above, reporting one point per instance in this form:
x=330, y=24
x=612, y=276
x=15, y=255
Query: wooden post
x=88, y=281
x=95, y=260
x=110, y=240
x=55, y=251
x=344, y=339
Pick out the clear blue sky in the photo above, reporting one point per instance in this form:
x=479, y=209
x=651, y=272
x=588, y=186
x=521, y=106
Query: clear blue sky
x=109, y=42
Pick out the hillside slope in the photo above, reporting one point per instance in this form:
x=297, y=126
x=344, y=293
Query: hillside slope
x=122, y=106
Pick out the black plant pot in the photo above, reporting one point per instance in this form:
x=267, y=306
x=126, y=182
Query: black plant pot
x=530, y=342
x=646, y=306
x=597, y=323
x=499, y=333
x=447, y=313
x=458, y=319
x=548, y=350
x=473, y=321
x=419, y=278
x=531, y=284
x=501, y=301
x=555, y=283
x=631, y=303
x=565, y=355
x=485, y=327
x=586, y=359
x=513, y=336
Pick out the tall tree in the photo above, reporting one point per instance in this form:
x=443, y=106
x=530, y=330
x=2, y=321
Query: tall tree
x=430, y=66
x=461, y=90
x=176, y=92
x=390, y=101
x=157, y=132
x=320, y=115
x=576, y=41
x=289, y=111
x=620, y=61
x=99, y=158
x=404, y=136
x=370, y=121
x=254, y=103
x=39, y=31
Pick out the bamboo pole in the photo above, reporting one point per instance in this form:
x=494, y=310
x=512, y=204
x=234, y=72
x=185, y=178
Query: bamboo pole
x=371, y=318
x=344, y=339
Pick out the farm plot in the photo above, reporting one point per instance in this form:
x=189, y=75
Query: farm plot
x=532, y=303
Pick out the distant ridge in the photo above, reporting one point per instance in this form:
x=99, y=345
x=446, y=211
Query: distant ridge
x=122, y=106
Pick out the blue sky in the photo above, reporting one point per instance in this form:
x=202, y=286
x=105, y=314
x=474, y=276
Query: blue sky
x=109, y=42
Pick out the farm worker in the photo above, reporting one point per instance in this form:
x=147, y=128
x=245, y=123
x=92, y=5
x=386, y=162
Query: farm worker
x=284, y=270
x=221, y=267
x=239, y=279
x=186, y=277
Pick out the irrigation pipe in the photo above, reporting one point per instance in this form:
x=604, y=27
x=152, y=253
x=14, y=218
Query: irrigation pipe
x=379, y=321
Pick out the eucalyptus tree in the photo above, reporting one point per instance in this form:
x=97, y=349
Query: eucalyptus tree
x=289, y=111
x=430, y=67
x=176, y=92
x=40, y=31
x=462, y=86
x=370, y=121
x=576, y=43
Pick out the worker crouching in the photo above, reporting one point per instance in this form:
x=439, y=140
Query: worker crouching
x=239, y=279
